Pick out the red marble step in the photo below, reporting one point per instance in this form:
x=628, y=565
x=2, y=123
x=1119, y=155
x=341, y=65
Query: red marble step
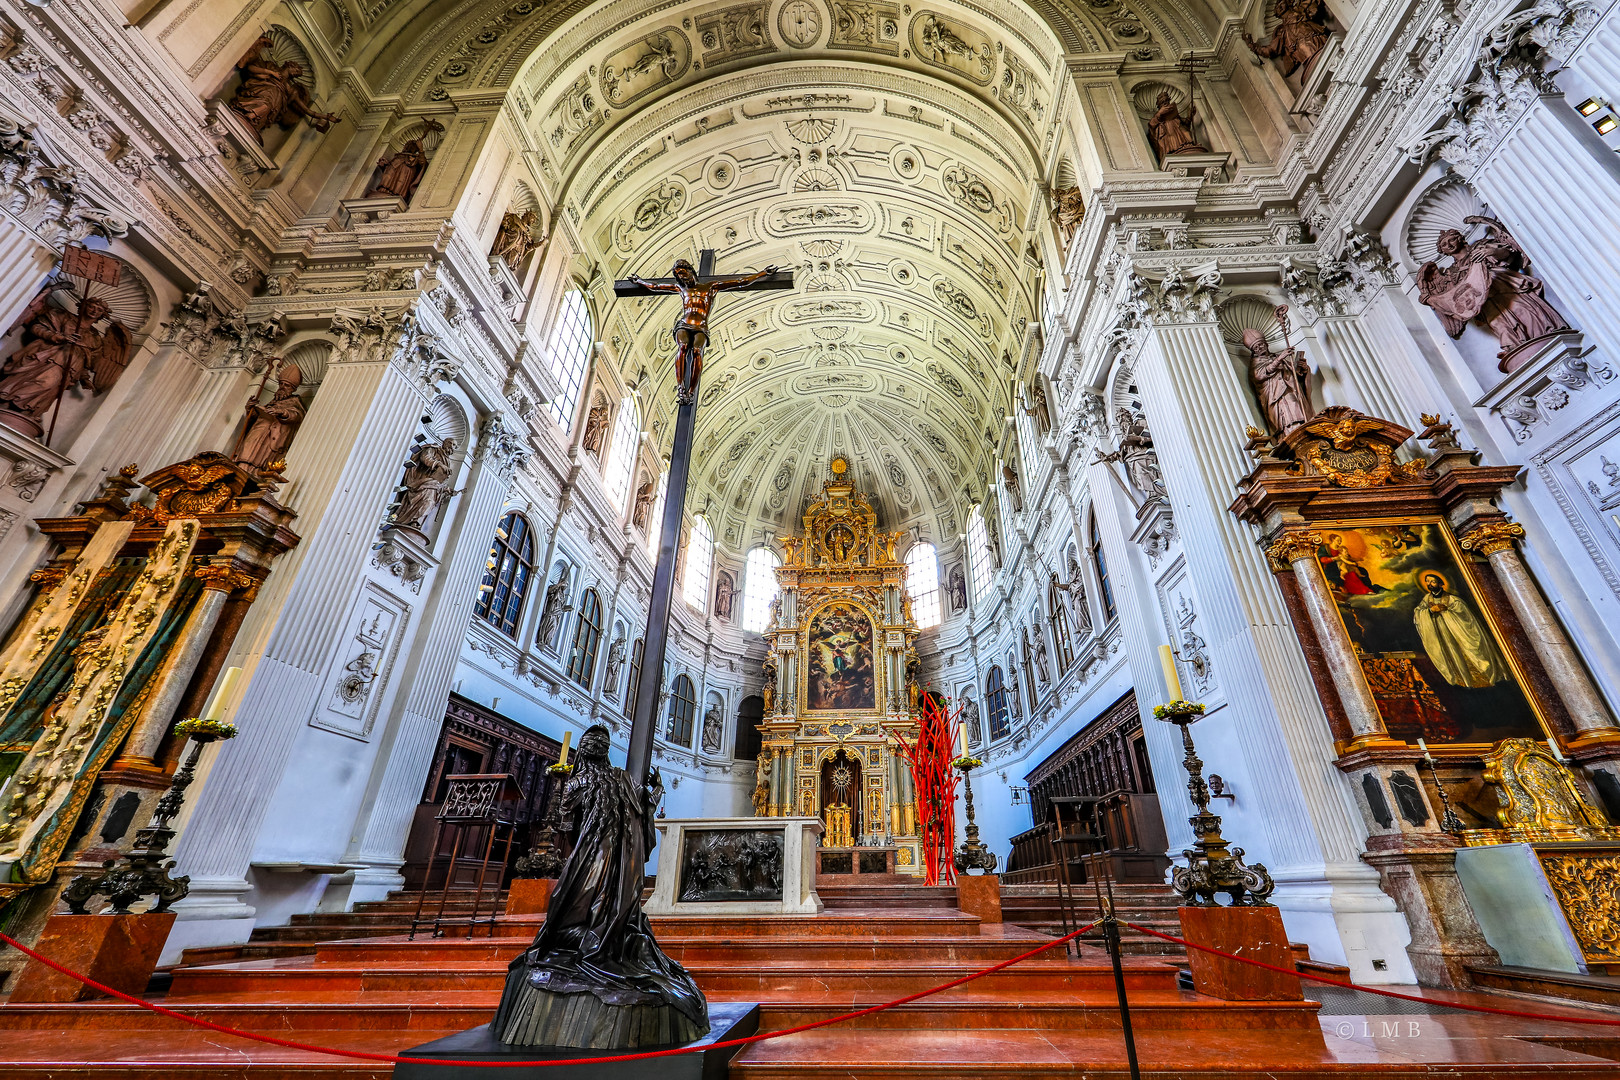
x=1219, y=1054
x=882, y=979
x=1090, y=1010
x=983, y=950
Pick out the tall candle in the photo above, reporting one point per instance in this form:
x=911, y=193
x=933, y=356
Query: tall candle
x=222, y=694
x=567, y=738
x=1552, y=744
x=963, y=729
x=1172, y=680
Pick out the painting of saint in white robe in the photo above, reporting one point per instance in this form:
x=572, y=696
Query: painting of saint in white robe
x=1457, y=642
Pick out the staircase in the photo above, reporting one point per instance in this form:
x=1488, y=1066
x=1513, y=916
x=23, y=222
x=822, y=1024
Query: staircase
x=1053, y=1015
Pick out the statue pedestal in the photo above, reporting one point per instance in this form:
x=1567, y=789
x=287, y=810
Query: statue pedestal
x=1255, y=932
x=120, y=951
x=1537, y=903
x=529, y=896
x=736, y=866
x=727, y=1020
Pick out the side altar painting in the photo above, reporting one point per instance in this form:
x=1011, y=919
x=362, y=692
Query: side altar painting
x=840, y=693
x=1436, y=664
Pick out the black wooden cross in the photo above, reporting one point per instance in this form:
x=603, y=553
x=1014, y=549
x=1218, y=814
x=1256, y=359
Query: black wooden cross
x=697, y=290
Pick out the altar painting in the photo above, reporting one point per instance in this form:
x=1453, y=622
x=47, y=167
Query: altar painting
x=1436, y=662
x=840, y=672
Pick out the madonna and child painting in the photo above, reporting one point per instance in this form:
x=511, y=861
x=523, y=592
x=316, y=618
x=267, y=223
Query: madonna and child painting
x=840, y=674
x=1437, y=665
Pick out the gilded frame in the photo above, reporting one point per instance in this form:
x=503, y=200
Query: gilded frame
x=1466, y=564
x=877, y=710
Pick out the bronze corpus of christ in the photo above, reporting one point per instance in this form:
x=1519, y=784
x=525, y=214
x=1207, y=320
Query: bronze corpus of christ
x=697, y=289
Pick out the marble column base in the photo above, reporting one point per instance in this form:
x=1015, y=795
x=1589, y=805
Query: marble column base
x=1446, y=937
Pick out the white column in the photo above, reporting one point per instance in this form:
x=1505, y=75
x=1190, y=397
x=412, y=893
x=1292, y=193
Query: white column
x=1299, y=818
x=345, y=460
x=406, y=749
x=1544, y=182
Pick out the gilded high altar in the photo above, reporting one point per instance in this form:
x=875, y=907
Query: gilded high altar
x=840, y=678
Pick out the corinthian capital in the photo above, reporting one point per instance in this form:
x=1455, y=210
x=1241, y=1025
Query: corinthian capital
x=1489, y=537
x=1291, y=547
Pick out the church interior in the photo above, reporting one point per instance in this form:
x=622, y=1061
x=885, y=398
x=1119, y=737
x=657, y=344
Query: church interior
x=625, y=525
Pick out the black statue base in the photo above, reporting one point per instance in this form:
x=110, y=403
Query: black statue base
x=727, y=1020
x=530, y=1016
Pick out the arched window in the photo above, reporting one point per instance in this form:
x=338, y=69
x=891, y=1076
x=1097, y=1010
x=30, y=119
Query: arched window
x=635, y=678
x=922, y=582
x=759, y=588
x=1104, y=589
x=978, y=554
x=748, y=741
x=506, y=574
x=587, y=637
x=622, y=455
x=699, y=564
x=995, y=696
x=1061, y=640
x=655, y=520
x=570, y=353
x=682, y=707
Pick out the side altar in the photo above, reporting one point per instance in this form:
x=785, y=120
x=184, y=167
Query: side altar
x=840, y=680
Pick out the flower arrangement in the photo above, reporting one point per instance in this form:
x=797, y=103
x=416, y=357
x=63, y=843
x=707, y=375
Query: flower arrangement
x=204, y=729
x=559, y=769
x=1176, y=708
x=966, y=763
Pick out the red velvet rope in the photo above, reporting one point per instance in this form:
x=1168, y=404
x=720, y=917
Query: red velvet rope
x=1374, y=990
x=396, y=1059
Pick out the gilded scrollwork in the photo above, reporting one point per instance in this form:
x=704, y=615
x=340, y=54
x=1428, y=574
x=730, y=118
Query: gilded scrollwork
x=1489, y=537
x=1588, y=889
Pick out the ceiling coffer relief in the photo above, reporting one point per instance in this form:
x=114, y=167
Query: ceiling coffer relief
x=659, y=206
x=654, y=62
x=953, y=45
x=828, y=216
x=972, y=192
x=869, y=26
x=734, y=33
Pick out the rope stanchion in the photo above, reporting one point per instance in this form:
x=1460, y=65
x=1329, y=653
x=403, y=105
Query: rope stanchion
x=1374, y=990
x=395, y=1059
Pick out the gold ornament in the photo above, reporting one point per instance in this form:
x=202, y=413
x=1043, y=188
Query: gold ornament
x=1588, y=889
x=1290, y=547
x=1540, y=801
x=1489, y=537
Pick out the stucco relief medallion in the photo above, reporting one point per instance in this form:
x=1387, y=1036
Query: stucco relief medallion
x=655, y=61
x=800, y=23
x=954, y=46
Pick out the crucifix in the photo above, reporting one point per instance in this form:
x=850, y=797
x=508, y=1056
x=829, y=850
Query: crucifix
x=697, y=290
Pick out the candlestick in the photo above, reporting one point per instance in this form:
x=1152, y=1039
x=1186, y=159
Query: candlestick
x=222, y=694
x=567, y=737
x=1172, y=680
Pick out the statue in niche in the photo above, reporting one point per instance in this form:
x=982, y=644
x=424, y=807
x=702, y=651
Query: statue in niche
x=399, y=174
x=724, y=593
x=1070, y=211
x=1300, y=37
x=644, y=501
x=1037, y=409
x=712, y=726
x=615, y=663
x=556, y=606
x=1136, y=453
x=428, y=476
x=515, y=238
x=1073, y=593
x=1282, y=382
x=958, y=589
x=595, y=939
x=1038, y=653
x=271, y=426
x=1009, y=483
x=595, y=429
x=273, y=93
x=970, y=719
x=1490, y=280
x=61, y=349
x=1171, y=134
